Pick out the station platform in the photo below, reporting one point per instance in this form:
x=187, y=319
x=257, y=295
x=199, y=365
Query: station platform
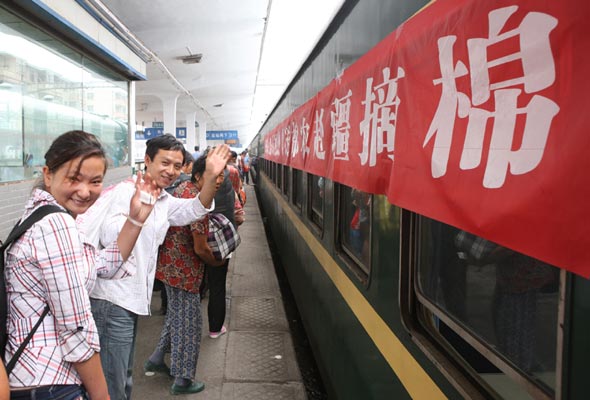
x=255, y=359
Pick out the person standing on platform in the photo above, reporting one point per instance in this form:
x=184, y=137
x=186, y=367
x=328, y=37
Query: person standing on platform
x=246, y=166
x=234, y=173
x=181, y=266
x=116, y=305
x=51, y=268
x=197, y=153
x=185, y=175
x=215, y=274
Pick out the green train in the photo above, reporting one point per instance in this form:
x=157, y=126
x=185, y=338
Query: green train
x=414, y=281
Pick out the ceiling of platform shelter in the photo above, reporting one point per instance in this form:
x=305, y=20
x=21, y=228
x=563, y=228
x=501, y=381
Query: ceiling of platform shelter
x=250, y=50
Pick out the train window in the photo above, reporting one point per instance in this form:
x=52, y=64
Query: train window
x=298, y=188
x=279, y=176
x=497, y=309
x=286, y=185
x=354, y=225
x=273, y=171
x=315, y=192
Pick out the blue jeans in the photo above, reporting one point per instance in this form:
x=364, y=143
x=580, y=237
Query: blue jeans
x=57, y=392
x=117, y=328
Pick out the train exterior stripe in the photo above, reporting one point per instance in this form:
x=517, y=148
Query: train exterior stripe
x=415, y=380
x=471, y=113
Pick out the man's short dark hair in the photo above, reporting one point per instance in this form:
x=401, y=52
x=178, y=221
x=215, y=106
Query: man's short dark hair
x=164, y=142
x=196, y=148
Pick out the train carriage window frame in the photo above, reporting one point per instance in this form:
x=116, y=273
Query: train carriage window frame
x=279, y=181
x=274, y=168
x=286, y=181
x=298, y=189
x=316, y=190
x=354, y=219
x=453, y=342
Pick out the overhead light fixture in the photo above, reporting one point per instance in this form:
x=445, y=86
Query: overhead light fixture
x=191, y=59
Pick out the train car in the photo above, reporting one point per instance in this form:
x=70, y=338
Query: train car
x=424, y=182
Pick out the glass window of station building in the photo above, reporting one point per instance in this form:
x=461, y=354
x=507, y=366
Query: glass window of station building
x=46, y=89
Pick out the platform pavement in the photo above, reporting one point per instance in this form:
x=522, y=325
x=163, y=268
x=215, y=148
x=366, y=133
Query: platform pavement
x=255, y=360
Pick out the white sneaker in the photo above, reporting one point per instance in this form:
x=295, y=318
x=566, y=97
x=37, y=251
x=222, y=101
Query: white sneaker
x=215, y=335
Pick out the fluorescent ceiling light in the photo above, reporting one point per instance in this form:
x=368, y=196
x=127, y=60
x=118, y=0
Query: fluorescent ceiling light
x=292, y=32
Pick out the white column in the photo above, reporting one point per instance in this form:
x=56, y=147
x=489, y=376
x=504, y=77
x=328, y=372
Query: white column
x=131, y=124
x=191, y=135
x=202, y=137
x=169, y=103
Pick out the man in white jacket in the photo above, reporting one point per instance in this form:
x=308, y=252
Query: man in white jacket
x=117, y=304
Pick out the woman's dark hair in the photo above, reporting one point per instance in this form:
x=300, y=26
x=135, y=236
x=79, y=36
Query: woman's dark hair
x=199, y=167
x=188, y=158
x=71, y=145
x=164, y=142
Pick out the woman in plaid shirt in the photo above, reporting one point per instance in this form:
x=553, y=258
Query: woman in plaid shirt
x=52, y=264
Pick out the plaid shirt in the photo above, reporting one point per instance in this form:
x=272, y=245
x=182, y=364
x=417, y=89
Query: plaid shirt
x=52, y=264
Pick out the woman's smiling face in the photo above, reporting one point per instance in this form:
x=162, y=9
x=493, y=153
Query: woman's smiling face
x=77, y=184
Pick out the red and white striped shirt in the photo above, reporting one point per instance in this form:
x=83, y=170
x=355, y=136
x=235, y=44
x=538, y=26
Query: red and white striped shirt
x=53, y=264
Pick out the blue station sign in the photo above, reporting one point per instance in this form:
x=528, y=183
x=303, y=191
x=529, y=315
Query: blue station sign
x=222, y=135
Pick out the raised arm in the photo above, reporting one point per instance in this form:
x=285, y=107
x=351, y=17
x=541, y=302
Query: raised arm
x=138, y=213
x=216, y=162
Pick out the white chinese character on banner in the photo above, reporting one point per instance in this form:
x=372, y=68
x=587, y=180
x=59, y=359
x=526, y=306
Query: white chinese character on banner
x=378, y=126
x=538, y=68
x=340, y=122
x=304, y=137
x=295, y=140
x=318, y=135
x=277, y=144
x=287, y=141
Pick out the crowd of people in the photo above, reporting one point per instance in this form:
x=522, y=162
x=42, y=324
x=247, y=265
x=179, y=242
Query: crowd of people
x=154, y=225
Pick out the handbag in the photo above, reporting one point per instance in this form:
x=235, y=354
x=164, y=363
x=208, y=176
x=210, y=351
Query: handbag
x=223, y=238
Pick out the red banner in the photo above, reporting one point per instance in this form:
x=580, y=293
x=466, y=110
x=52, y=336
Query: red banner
x=472, y=113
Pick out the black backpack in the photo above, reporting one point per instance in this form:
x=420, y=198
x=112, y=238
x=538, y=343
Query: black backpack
x=17, y=232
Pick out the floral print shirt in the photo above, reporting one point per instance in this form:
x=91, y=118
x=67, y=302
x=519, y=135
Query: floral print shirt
x=178, y=264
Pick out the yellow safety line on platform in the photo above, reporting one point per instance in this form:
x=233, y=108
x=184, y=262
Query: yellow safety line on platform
x=416, y=381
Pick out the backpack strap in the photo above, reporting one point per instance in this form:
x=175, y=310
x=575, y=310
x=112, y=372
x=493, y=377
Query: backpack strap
x=25, y=225
x=17, y=232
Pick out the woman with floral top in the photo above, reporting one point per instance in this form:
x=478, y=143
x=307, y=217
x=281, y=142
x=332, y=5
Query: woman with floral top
x=181, y=265
x=53, y=264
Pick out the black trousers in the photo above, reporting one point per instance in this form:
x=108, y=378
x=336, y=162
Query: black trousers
x=216, y=308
